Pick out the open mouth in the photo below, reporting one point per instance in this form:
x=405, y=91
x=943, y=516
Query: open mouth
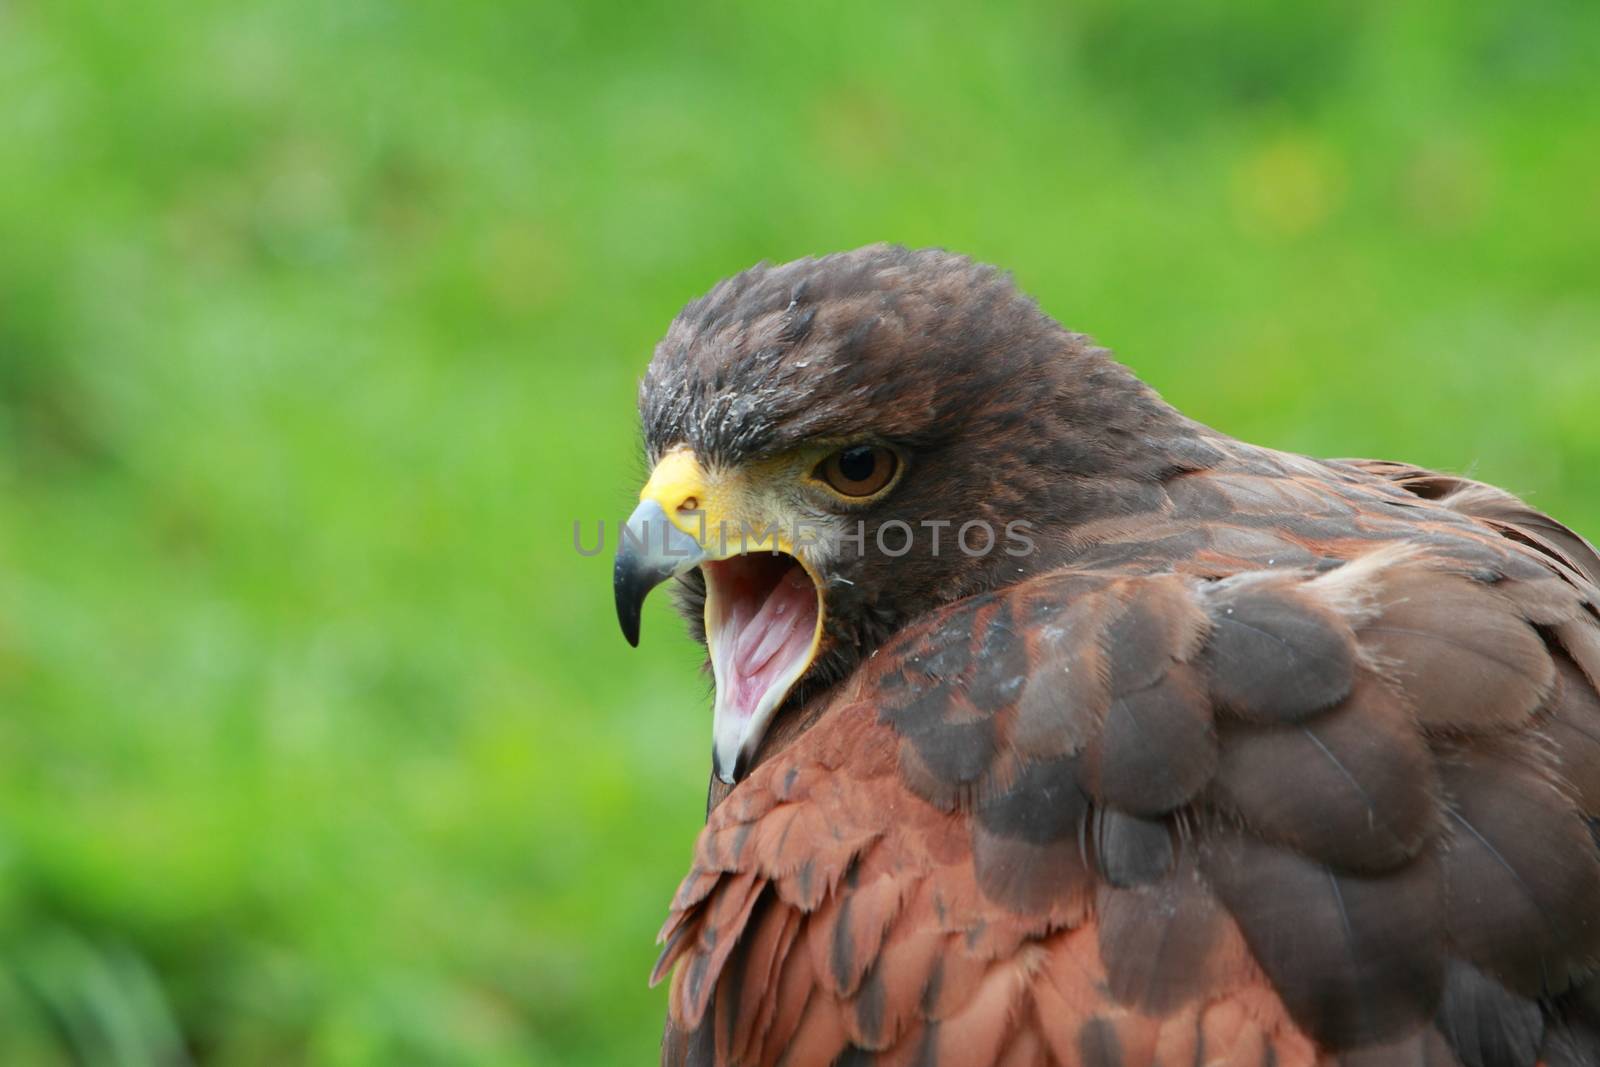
x=763, y=625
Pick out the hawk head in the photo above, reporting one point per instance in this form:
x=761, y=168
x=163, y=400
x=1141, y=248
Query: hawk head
x=840, y=444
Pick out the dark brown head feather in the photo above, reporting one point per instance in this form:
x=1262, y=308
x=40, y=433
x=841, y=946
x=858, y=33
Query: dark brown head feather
x=1005, y=416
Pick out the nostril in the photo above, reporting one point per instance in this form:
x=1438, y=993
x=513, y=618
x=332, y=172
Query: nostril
x=690, y=503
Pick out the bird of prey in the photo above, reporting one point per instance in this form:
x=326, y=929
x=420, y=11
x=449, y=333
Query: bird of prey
x=1064, y=730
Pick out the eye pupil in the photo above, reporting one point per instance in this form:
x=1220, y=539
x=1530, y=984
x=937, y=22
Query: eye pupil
x=857, y=464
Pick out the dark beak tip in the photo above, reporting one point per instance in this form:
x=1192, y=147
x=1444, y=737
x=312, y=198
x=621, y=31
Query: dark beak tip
x=630, y=593
x=628, y=605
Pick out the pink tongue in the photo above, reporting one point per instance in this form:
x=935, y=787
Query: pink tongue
x=770, y=642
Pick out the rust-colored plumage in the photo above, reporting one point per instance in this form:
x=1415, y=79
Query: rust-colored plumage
x=1258, y=760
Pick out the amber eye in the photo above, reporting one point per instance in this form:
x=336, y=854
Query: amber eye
x=859, y=471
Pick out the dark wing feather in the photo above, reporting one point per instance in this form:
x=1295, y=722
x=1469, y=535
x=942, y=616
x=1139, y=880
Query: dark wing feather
x=1571, y=723
x=1485, y=1022
x=1355, y=786
x=1168, y=943
x=1572, y=1033
x=1156, y=748
x=1522, y=885
x=1358, y=960
x=1465, y=659
x=1277, y=654
x=1130, y=851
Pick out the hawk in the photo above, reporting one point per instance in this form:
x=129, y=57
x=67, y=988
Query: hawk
x=1064, y=730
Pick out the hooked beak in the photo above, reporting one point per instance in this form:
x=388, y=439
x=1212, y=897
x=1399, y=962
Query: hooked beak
x=764, y=603
x=652, y=550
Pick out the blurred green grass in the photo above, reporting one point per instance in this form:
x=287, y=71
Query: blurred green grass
x=319, y=327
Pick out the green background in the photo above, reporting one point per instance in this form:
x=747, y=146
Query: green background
x=320, y=325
